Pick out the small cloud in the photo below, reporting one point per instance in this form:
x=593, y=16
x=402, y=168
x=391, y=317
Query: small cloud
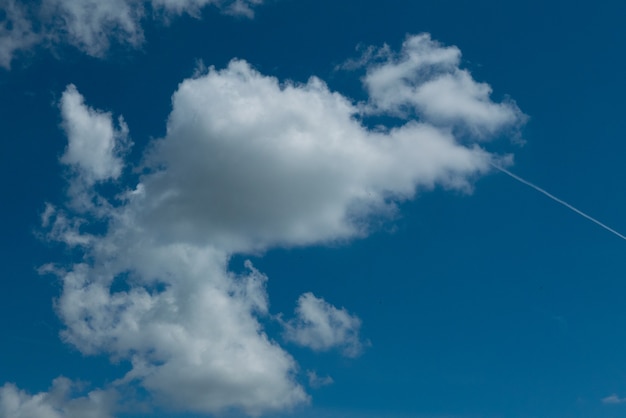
x=369, y=55
x=613, y=400
x=316, y=381
x=321, y=327
x=94, y=143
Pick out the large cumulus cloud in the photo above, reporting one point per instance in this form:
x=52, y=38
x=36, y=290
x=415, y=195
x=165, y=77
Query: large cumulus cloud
x=248, y=163
x=252, y=163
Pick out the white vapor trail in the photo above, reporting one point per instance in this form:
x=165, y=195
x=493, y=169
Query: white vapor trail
x=556, y=199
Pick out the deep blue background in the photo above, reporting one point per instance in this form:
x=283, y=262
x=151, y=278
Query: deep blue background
x=498, y=304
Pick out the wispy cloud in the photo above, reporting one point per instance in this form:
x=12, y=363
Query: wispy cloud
x=613, y=400
x=316, y=381
x=92, y=25
x=16, y=31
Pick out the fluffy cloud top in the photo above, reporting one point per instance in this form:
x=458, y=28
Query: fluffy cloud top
x=251, y=163
x=91, y=25
x=247, y=163
x=321, y=326
x=425, y=79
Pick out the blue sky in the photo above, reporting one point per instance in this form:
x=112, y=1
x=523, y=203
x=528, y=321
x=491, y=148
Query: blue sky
x=247, y=240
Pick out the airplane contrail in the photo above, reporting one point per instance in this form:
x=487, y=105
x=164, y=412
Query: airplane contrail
x=556, y=199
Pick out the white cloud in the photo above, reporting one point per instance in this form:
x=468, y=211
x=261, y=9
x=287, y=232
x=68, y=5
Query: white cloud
x=16, y=31
x=64, y=229
x=193, y=7
x=252, y=163
x=94, y=144
x=58, y=402
x=92, y=25
x=247, y=163
x=195, y=343
x=321, y=326
x=242, y=7
x=316, y=381
x=613, y=400
x=425, y=79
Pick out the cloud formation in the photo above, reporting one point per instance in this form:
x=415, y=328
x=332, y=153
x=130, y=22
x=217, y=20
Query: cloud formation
x=289, y=164
x=316, y=381
x=613, y=400
x=16, y=31
x=193, y=7
x=58, y=402
x=92, y=25
x=425, y=79
x=94, y=144
x=321, y=326
x=196, y=344
x=248, y=163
